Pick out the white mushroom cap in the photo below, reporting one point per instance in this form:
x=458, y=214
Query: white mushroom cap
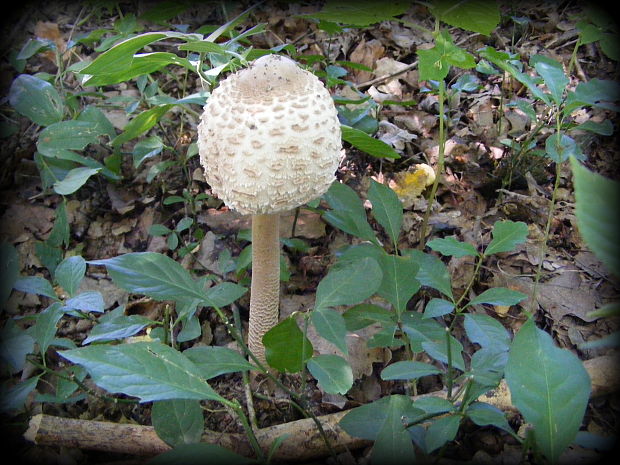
x=269, y=138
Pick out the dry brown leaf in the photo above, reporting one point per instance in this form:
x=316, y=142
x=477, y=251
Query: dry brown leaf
x=49, y=31
x=366, y=53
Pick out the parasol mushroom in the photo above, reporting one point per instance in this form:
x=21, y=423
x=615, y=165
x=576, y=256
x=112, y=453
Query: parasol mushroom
x=269, y=141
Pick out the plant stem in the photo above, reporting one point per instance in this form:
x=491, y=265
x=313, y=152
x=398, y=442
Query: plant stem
x=265, y=288
x=440, y=163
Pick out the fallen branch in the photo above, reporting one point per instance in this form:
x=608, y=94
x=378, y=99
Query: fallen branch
x=304, y=441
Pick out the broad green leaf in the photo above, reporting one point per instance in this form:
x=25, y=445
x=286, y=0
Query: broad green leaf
x=440, y=431
x=408, y=369
x=9, y=270
x=101, y=122
x=199, y=454
x=597, y=214
x=506, y=235
x=203, y=46
x=120, y=56
x=146, y=148
x=484, y=414
x=147, y=370
x=12, y=399
x=359, y=12
x=399, y=281
x=15, y=344
x=190, y=325
x=74, y=179
x=437, y=307
x=120, y=327
x=433, y=404
x=438, y=349
x=286, y=347
x=596, y=92
x=386, y=337
x=154, y=275
x=553, y=75
x=421, y=330
x=362, y=141
x=451, y=247
x=498, y=296
x=141, y=123
x=434, y=63
x=480, y=16
x=213, y=361
x=559, y=150
x=223, y=294
x=331, y=326
x=604, y=128
x=60, y=232
x=69, y=274
x=549, y=386
x=350, y=284
x=387, y=209
x=393, y=444
x=36, y=99
x=67, y=135
x=486, y=331
x=178, y=421
x=363, y=315
x=35, y=285
x=333, y=373
x=44, y=331
x=87, y=301
x=432, y=272
x=487, y=367
x=348, y=213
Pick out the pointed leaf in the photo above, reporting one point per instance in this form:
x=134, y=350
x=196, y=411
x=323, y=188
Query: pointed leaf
x=44, y=331
x=213, y=361
x=333, y=373
x=36, y=99
x=147, y=370
x=498, y=296
x=87, y=301
x=549, y=386
x=479, y=16
x=393, y=444
x=408, y=369
x=399, y=281
x=386, y=208
x=35, y=285
x=348, y=213
x=286, y=347
x=486, y=331
x=330, y=325
x=74, y=179
x=553, y=75
x=506, y=235
x=441, y=431
x=437, y=307
x=450, y=246
x=69, y=274
x=432, y=273
x=178, y=421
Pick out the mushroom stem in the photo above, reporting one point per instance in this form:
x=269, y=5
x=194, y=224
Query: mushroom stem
x=265, y=290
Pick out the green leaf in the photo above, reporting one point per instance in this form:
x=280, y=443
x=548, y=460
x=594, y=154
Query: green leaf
x=597, y=214
x=348, y=213
x=484, y=414
x=146, y=148
x=435, y=63
x=67, y=135
x=451, y=247
x=102, y=124
x=440, y=431
x=213, y=361
x=553, y=75
x=147, y=370
x=365, y=143
x=69, y=274
x=350, y=284
x=44, y=331
x=203, y=46
x=224, y=294
x=9, y=270
x=330, y=325
x=604, y=128
x=393, y=444
x=120, y=56
x=87, y=301
x=479, y=16
x=12, y=399
x=408, y=369
x=549, y=386
x=141, y=123
x=559, y=150
x=286, y=347
x=333, y=373
x=363, y=315
x=35, y=285
x=178, y=421
x=199, y=454
x=596, y=92
x=399, y=281
x=15, y=344
x=437, y=307
x=74, y=179
x=438, y=349
x=386, y=208
x=506, y=235
x=486, y=331
x=119, y=327
x=36, y=99
x=359, y=12
x=432, y=273
x=498, y=296
x=154, y=275
x=420, y=330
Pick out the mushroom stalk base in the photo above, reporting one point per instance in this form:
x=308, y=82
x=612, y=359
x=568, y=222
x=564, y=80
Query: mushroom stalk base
x=265, y=290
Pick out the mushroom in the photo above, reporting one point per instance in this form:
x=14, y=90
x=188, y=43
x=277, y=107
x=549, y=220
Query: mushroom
x=269, y=141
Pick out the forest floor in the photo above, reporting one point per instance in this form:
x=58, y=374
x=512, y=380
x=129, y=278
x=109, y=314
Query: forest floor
x=482, y=183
